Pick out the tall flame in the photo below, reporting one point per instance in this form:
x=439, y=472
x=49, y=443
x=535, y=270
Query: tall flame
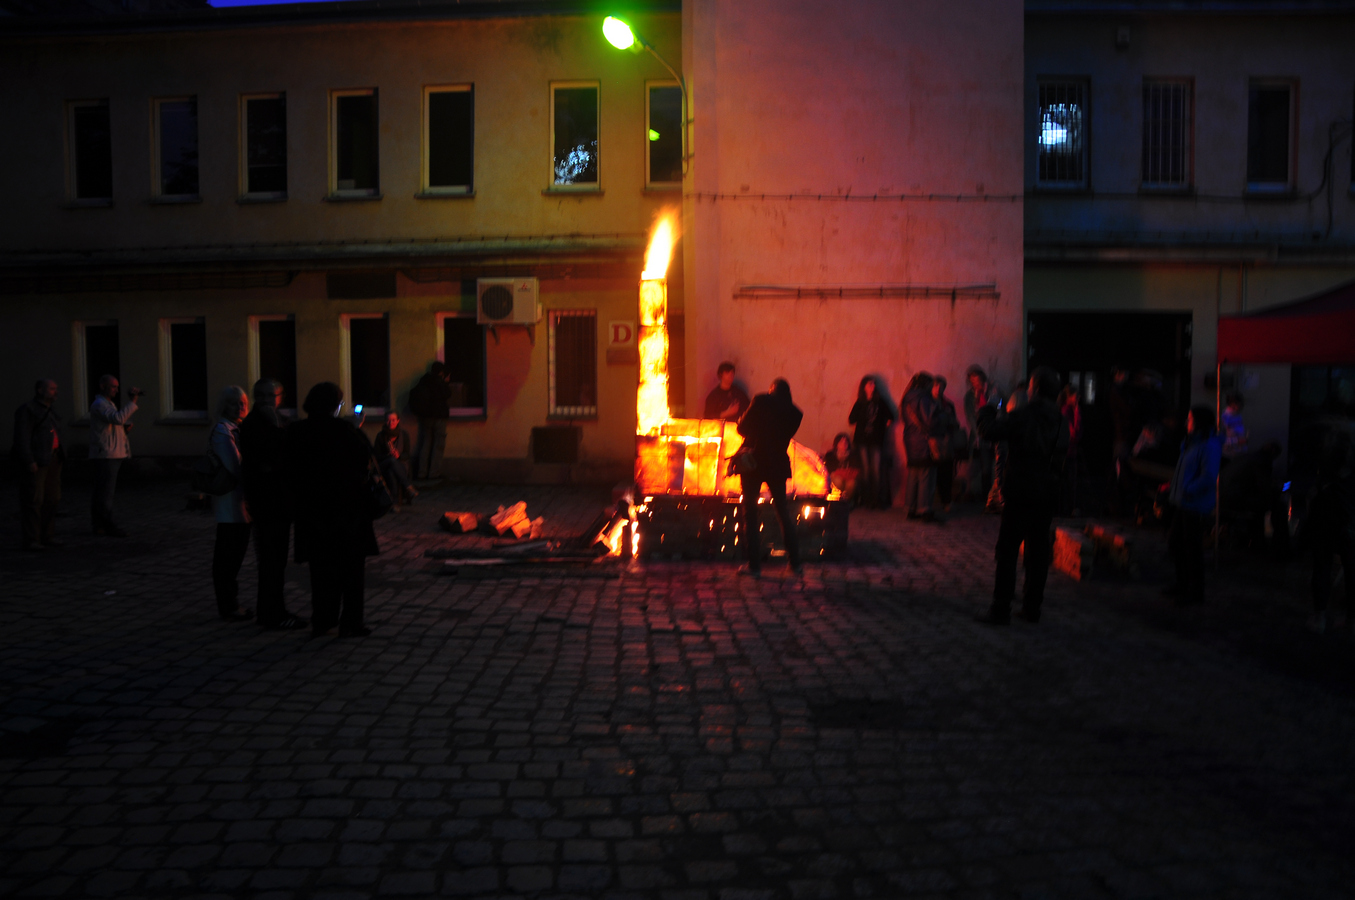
x=660, y=249
x=652, y=396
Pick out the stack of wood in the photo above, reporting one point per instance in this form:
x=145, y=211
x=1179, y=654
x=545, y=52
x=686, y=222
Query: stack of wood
x=1074, y=553
x=515, y=519
x=459, y=522
x=1113, y=546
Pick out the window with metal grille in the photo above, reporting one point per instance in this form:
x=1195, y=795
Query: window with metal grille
x=1270, y=135
x=1166, y=134
x=573, y=362
x=1061, y=157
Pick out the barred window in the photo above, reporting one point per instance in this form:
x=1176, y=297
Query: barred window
x=573, y=362
x=1166, y=134
x=1061, y=159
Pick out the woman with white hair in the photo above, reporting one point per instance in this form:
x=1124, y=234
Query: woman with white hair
x=232, y=521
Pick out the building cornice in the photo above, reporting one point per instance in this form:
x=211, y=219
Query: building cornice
x=1189, y=7
x=1232, y=253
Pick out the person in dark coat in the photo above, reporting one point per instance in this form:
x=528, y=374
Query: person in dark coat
x=767, y=427
x=943, y=446
x=39, y=452
x=872, y=417
x=920, y=427
x=327, y=461
x=1037, y=450
x=262, y=462
x=726, y=400
x=430, y=401
x=1330, y=527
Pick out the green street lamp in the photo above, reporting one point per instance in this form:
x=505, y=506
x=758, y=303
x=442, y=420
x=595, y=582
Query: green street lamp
x=621, y=36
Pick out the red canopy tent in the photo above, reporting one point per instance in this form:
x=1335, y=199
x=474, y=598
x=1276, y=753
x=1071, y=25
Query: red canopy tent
x=1317, y=330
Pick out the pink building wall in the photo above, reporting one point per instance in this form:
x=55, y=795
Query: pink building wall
x=873, y=97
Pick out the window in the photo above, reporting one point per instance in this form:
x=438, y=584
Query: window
x=264, y=131
x=366, y=361
x=574, y=362
x=353, y=138
x=574, y=135
x=1061, y=157
x=449, y=139
x=183, y=368
x=90, y=146
x=176, y=147
x=663, y=144
x=1270, y=136
x=272, y=354
x=461, y=348
x=1167, y=134
x=96, y=355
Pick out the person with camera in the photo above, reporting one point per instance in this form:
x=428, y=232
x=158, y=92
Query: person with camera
x=108, y=447
x=767, y=427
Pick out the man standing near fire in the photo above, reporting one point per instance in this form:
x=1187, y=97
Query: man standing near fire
x=727, y=400
x=767, y=427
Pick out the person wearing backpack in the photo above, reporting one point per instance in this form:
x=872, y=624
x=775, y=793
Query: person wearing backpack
x=232, y=521
x=1037, y=449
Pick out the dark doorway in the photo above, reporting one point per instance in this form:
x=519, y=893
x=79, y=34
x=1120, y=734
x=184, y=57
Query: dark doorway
x=1086, y=348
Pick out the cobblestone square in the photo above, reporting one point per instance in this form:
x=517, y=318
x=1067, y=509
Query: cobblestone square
x=671, y=731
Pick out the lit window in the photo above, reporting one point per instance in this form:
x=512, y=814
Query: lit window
x=1166, y=134
x=1270, y=136
x=663, y=144
x=89, y=139
x=1061, y=158
x=449, y=135
x=176, y=147
x=354, y=158
x=574, y=135
x=183, y=368
x=265, y=145
x=574, y=362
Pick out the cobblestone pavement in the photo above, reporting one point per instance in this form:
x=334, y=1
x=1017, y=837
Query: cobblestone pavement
x=673, y=733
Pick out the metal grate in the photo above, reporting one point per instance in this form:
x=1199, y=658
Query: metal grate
x=573, y=362
x=1062, y=141
x=1166, y=134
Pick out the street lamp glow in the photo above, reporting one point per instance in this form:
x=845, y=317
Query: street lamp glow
x=617, y=33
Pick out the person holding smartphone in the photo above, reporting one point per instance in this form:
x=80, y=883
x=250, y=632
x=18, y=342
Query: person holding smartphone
x=108, y=447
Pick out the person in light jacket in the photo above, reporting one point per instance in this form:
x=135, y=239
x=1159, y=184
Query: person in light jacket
x=1192, y=499
x=108, y=447
x=232, y=521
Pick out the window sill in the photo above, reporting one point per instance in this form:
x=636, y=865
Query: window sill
x=184, y=418
x=245, y=199
x=444, y=195
x=1167, y=191
x=572, y=192
x=567, y=417
x=663, y=188
x=470, y=415
x=350, y=198
x=175, y=199
x=89, y=203
x=1270, y=192
x=1073, y=189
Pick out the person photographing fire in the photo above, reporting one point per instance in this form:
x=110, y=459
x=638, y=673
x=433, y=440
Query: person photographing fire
x=771, y=421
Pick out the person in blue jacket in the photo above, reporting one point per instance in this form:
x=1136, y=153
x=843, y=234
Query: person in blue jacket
x=1192, y=497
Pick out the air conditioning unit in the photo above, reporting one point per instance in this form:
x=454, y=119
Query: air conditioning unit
x=507, y=301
